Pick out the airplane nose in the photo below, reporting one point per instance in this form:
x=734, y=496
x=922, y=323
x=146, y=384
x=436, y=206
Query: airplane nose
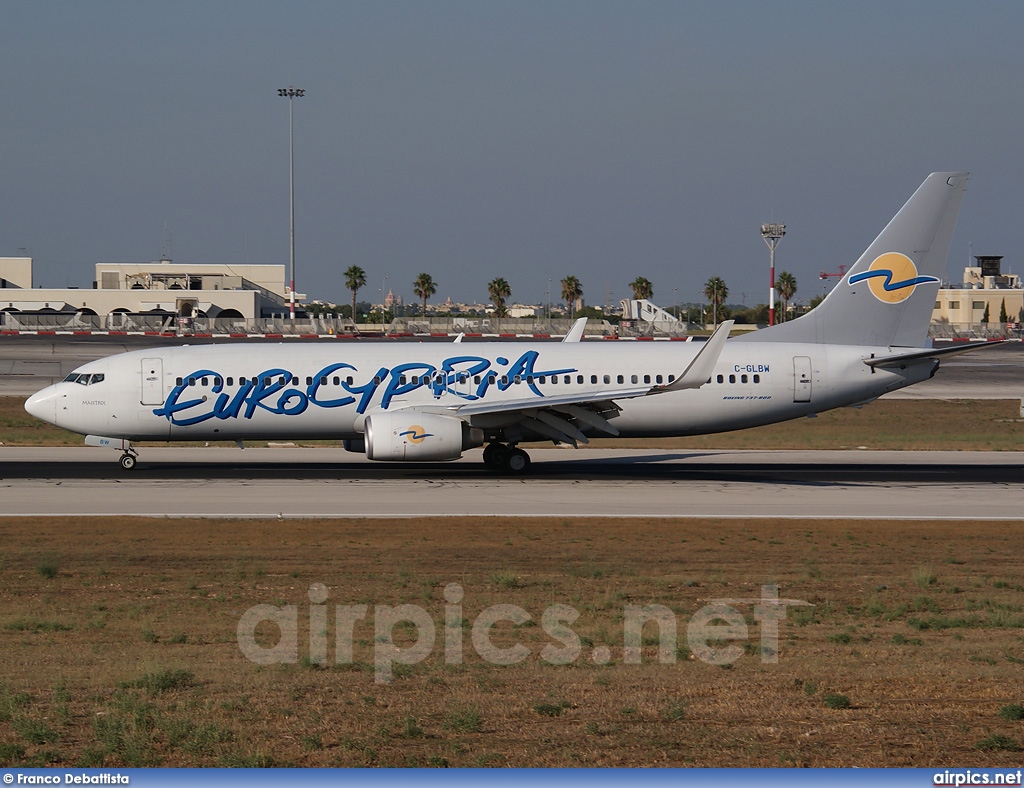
x=43, y=405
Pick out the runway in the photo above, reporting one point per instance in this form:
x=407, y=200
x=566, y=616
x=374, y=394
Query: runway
x=216, y=482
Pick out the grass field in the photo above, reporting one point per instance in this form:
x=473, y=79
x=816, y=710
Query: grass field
x=952, y=425
x=119, y=643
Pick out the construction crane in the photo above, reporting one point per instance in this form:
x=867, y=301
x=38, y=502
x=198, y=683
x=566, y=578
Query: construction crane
x=837, y=275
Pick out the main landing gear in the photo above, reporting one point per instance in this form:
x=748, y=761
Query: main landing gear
x=507, y=458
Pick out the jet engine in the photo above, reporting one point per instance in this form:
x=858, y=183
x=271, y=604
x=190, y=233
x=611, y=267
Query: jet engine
x=414, y=436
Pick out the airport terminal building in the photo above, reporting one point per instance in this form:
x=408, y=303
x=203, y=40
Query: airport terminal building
x=127, y=294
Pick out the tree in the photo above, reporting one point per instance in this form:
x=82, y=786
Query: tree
x=785, y=284
x=985, y=315
x=499, y=290
x=642, y=288
x=1003, y=317
x=424, y=287
x=355, y=278
x=572, y=292
x=715, y=291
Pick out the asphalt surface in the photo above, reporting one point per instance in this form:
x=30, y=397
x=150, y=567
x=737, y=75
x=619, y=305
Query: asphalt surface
x=218, y=482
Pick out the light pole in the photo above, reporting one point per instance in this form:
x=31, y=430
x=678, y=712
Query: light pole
x=291, y=93
x=772, y=234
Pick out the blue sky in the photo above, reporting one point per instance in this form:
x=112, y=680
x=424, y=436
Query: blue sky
x=529, y=140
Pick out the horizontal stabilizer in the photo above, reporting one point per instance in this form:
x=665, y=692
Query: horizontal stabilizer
x=898, y=360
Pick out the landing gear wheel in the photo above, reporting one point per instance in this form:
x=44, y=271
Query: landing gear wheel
x=495, y=454
x=517, y=461
x=127, y=461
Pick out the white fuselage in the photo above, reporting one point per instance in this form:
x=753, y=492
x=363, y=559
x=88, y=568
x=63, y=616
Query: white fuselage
x=302, y=390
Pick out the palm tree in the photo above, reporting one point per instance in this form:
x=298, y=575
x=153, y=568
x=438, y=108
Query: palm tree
x=785, y=284
x=355, y=277
x=572, y=292
x=499, y=290
x=642, y=288
x=715, y=291
x=424, y=287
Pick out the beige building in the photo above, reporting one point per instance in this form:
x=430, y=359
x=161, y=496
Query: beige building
x=244, y=292
x=961, y=308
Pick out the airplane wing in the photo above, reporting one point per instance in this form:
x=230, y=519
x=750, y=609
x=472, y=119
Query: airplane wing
x=563, y=417
x=576, y=332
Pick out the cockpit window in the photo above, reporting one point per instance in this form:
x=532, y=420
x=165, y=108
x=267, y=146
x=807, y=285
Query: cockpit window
x=83, y=378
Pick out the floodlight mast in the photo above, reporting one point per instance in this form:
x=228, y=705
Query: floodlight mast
x=291, y=93
x=772, y=234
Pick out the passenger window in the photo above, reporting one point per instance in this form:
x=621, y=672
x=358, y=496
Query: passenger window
x=376, y=380
x=743, y=378
x=401, y=379
x=757, y=378
x=504, y=380
x=529, y=379
x=309, y=381
x=476, y=380
x=178, y=381
x=633, y=379
x=567, y=379
x=266, y=381
x=607, y=378
x=543, y=379
x=732, y=378
x=657, y=379
x=205, y=381
x=348, y=380
x=647, y=378
x=620, y=379
x=593, y=378
x=241, y=381
x=217, y=381
x=720, y=378
x=295, y=381
x=231, y=381
x=191, y=381
x=336, y=380
x=579, y=378
x=671, y=378
x=554, y=379
x=323, y=381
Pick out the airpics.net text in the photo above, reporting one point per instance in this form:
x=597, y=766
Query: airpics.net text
x=718, y=633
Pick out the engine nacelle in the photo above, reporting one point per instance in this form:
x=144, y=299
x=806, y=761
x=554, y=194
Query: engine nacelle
x=411, y=436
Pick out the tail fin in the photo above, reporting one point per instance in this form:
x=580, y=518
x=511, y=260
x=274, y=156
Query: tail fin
x=886, y=298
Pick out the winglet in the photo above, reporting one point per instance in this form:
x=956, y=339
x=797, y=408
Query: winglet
x=576, y=332
x=703, y=364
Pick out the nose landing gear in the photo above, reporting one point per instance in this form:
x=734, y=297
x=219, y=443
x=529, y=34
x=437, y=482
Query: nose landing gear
x=128, y=459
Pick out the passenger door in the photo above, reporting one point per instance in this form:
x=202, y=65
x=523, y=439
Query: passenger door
x=152, y=381
x=801, y=379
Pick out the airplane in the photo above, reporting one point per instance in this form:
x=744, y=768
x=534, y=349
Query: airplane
x=433, y=401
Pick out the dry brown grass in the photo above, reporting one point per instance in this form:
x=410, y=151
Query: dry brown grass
x=118, y=643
